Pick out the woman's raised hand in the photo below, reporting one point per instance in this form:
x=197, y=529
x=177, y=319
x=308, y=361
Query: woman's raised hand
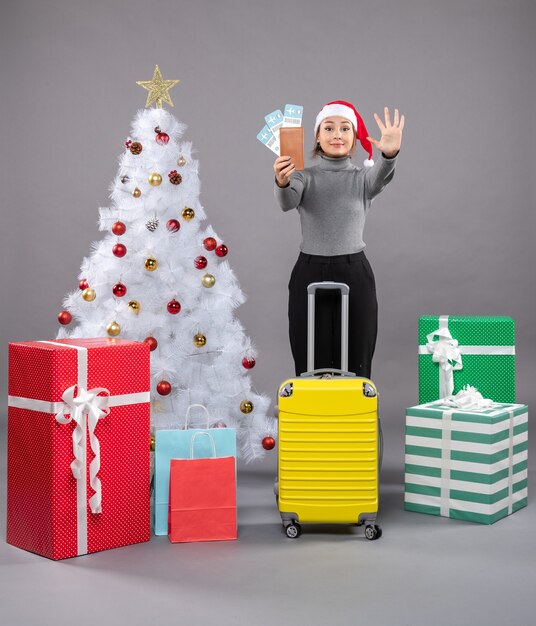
x=391, y=137
x=283, y=168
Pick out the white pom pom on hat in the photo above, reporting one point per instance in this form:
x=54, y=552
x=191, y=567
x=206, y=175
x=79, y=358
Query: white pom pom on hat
x=348, y=110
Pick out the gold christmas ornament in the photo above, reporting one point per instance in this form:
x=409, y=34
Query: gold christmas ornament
x=155, y=179
x=158, y=89
x=136, y=193
x=134, y=305
x=113, y=329
x=200, y=340
x=188, y=213
x=152, y=443
x=89, y=295
x=181, y=161
x=246, y=406
x=151, y=264
x=208, y=281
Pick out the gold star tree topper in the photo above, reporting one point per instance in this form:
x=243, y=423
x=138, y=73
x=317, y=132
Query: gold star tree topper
x=158, y=89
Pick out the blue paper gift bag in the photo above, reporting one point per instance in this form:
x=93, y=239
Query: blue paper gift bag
x=175, y=444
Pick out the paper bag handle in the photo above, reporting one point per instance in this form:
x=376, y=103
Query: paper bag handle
x=202, y=406
x=199, y=434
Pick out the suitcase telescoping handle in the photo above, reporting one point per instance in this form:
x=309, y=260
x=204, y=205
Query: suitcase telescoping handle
x=311, y=293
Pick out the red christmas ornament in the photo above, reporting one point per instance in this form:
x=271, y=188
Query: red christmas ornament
x=64, y=317
x=83, y=284
x=128, y=143
x=119, y=290
x=268, y=443
x=173, y=307
x=118, y=228
x=200, y=262
x=163, y=388
x=152, y=342
x=162, y=138
x=222, y=250
x=210, y=243
x=248, y=363
x=119, y=250
x=173, y=225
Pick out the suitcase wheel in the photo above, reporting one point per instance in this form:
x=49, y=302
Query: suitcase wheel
x=373, y=532
x=293, y=530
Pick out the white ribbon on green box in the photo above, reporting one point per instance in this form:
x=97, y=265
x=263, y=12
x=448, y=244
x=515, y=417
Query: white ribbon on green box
x=468, y=399
x=85, y=407
x=447, y=352
x=446, y=442
x=510, y=457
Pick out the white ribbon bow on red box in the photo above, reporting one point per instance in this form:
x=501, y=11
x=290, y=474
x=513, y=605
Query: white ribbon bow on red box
x=85, y=409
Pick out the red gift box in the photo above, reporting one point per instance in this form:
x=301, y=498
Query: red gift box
x=78, y=469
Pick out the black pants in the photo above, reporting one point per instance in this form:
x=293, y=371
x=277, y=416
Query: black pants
x=355, y=271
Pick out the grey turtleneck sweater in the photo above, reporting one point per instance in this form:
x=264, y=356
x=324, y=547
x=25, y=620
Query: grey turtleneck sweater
x=333, y=198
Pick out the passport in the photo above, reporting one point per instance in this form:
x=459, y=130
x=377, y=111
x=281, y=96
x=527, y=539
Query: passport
x=291, y=144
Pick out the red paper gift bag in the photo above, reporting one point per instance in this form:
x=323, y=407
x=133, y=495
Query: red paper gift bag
x=202, y=497
x=78, y=467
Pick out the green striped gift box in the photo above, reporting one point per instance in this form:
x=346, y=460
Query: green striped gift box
x=487, y=347
x=468, y=465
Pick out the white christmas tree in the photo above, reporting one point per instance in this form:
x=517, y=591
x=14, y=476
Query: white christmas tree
x=161, y=277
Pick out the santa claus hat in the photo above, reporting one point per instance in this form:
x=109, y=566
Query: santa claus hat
x=347, y=110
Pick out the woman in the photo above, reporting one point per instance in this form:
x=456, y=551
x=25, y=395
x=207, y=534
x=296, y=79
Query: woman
x=333, y=199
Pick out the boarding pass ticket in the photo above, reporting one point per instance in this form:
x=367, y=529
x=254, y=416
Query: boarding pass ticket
x=269, y=135
x=293, y=115
x=267, y=138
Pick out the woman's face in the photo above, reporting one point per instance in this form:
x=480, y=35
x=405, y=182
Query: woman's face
x=336, y=136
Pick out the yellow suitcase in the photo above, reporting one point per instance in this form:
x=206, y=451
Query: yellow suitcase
x=329, y=449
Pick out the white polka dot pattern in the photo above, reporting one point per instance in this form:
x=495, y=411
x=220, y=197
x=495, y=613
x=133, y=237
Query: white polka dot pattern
x=41, y=511
x=493, y=375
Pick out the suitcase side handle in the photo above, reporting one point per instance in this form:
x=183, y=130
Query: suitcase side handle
x=311, y=291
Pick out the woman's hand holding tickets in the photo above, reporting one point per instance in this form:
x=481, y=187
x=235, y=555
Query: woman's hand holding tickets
x=391, y=137
x=283, y=168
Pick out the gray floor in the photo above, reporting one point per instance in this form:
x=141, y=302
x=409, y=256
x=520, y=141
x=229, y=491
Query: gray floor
x=423, y=571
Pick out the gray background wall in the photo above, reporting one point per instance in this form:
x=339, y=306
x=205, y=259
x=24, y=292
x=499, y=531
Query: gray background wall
x=452, y=234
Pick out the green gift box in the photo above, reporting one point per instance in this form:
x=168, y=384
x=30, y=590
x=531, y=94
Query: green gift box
x=463, y=350
x=466, y=464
